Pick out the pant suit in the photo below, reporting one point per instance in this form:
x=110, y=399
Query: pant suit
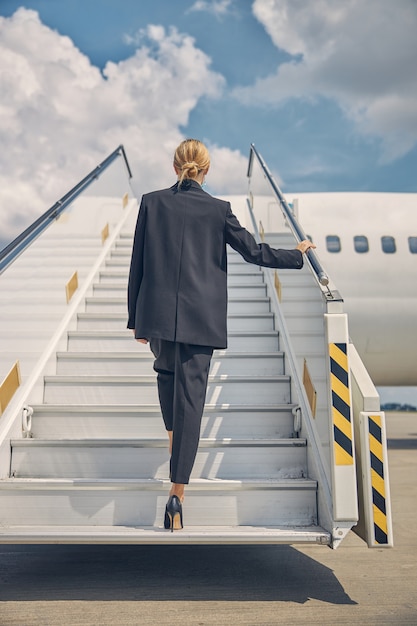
x=177, y=298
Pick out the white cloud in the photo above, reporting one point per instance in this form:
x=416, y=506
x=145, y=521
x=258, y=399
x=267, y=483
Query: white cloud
x=227, y=174
x=361, y=54
x=218, y=8
x=60, y=116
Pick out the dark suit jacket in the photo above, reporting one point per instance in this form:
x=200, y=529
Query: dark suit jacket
x=178, y=274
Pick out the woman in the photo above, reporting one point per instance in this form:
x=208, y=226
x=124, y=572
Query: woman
x=177, y=298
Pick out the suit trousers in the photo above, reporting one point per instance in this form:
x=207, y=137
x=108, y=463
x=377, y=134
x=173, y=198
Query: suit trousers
x=182, y=384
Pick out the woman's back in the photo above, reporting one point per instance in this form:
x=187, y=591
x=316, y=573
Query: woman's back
x=184, y=267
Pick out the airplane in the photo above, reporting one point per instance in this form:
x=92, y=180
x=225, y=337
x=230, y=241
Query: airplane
x=367, y=243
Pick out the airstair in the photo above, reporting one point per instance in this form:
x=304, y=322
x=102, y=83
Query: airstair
x=292, y=423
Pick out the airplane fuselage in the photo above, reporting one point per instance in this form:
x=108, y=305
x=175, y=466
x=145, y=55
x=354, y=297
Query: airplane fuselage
x=367, y=244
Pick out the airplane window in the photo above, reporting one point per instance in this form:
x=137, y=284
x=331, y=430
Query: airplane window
x=361, y=243
x=388, y=245
x=333, y=243
x=412, y=244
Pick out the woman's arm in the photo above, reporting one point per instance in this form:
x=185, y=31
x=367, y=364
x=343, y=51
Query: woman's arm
x=262, y=254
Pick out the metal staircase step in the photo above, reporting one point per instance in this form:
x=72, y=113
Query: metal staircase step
x=56, y=307
x=280, y=239
x=13, y=320
x=120, y=262
x=20, y=298
x=238, y=341
x=131, y=363
x=294, y=303
x=210, y=503
x=297, y=323
x=125, y=241
x=153, y=535
x=142, y=389
x=31, y=341
x=104, y=321
x=304, y=292
x=239, y=290
x=37, y=268
x=235, y=305
x=51, y=284
x=124, y=421
x=308, y=342
x=149, y=458
x=119, y=276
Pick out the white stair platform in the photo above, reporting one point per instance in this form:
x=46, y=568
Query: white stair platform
x=198, y=535
x=141, y=502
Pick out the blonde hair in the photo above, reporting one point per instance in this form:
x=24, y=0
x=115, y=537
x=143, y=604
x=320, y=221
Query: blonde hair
x=190, y=158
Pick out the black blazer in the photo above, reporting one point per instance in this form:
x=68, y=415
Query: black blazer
x=178, y=275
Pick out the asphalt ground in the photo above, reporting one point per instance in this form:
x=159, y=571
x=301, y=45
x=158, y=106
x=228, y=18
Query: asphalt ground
x=58, y=585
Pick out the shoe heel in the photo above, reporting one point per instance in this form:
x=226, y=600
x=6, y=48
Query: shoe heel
x=173, y=514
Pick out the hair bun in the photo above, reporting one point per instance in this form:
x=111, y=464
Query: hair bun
x=190, y=158
x=191, y=169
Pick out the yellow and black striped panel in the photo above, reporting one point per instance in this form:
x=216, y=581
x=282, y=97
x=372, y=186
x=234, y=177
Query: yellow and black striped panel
x=342, y=424
x=377, y=479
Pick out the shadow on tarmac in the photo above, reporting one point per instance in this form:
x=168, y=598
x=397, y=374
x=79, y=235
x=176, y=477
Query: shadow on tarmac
x=402, y=444
x=162, y=573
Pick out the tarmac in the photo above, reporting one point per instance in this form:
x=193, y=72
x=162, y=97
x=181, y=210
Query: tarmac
x=58, y=585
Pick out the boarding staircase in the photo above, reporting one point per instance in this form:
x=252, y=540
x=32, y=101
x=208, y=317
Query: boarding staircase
x=83, y=451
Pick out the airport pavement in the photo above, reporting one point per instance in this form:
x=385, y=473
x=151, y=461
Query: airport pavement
x=226, y=585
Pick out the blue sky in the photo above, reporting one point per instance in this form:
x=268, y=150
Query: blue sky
x=326, y=91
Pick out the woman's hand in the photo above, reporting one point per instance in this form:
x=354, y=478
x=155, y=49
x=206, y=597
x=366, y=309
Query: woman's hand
x=144, y=341
x=305, y=245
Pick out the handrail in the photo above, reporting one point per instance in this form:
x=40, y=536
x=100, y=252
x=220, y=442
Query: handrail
x=288, y=214
x=22, y=241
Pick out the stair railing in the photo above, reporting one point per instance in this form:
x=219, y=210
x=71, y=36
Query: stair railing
x=292, y=221
x=22, y=241
x=330, y=438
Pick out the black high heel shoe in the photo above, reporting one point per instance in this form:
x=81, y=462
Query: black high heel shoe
x=173, y=514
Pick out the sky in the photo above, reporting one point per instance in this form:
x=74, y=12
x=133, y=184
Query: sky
x=326, y=90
